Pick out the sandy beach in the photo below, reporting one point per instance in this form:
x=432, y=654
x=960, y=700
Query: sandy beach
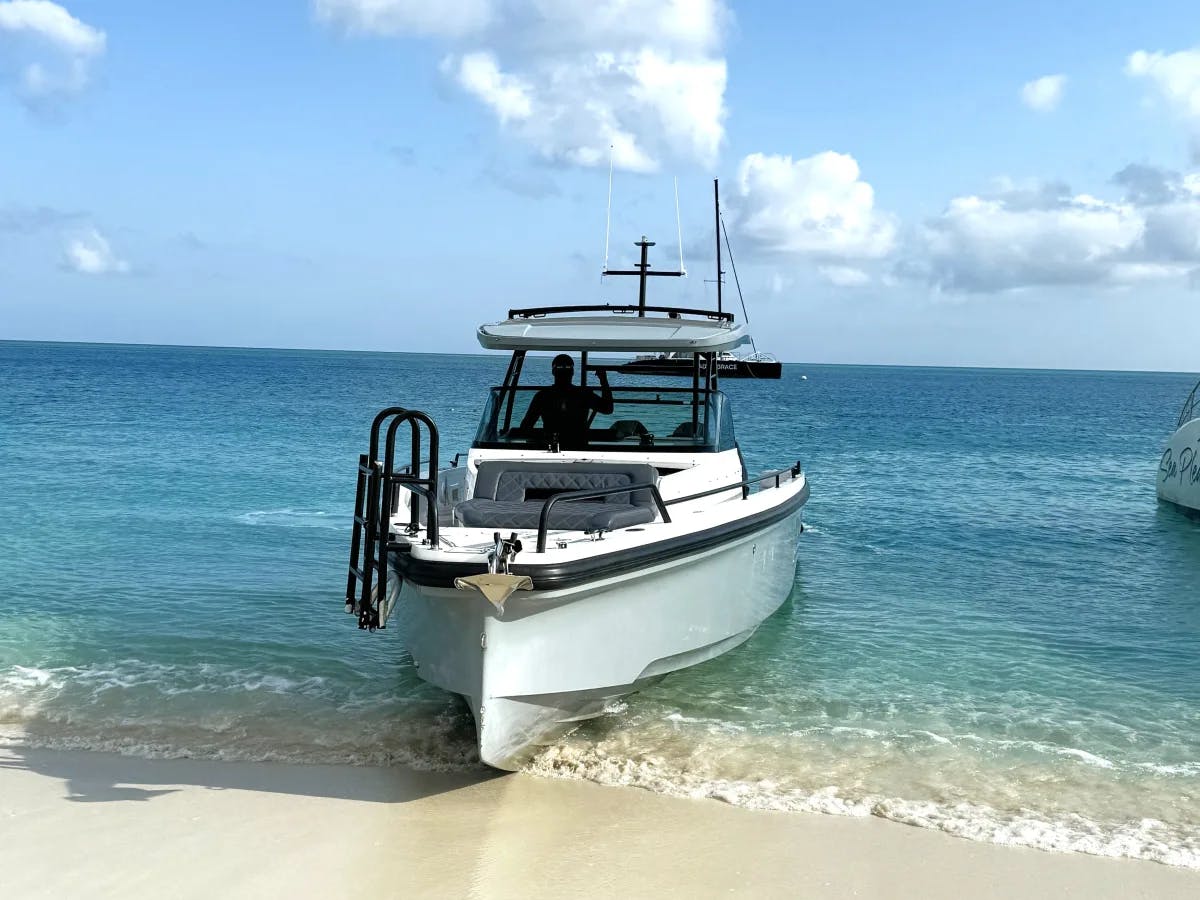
x=83, y=824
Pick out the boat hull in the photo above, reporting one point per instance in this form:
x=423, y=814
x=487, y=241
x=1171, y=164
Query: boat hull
x=554, y=658
x=1179, y=468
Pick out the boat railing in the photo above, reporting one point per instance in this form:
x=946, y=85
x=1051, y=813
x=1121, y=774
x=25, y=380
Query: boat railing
x=536, y=312
x=769, y=478
x=764, y=480
x=595, y=494
x=1190, y=405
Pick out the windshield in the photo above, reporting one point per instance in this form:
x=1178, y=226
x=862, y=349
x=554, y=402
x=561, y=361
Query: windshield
x=664, y=419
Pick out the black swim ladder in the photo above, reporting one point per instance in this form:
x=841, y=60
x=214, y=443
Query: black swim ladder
x=377, y=499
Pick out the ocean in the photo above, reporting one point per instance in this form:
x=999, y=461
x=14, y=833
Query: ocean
x=994, y=629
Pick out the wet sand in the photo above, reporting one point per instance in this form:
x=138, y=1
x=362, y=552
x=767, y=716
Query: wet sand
x=82, y=824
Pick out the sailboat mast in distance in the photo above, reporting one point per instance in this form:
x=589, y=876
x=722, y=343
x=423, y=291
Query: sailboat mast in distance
x=717, y=233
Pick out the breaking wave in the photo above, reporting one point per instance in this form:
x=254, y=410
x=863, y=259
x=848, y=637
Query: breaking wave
x=1020, y=792
x=1146, y=838
x=209, y=711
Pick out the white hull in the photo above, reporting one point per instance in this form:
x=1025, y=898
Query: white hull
x=597, y=537
x=1179, y=468
x=554, y=658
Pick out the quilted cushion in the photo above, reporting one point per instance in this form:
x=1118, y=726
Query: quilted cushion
x=513, y=485
x=511, y=480
x=511, y=494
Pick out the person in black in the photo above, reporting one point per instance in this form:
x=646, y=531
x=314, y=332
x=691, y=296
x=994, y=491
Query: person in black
x=565, y=408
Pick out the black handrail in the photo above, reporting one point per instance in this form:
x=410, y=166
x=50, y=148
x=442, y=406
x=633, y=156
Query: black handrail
x=412, y=479
x=566, y=496
x=744, y=484
x=377, y=423
x=535, y=311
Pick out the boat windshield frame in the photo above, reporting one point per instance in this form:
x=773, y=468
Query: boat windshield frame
x=646, y=417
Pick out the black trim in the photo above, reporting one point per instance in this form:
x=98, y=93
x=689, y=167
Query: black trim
x=533, y=312
x=576, y=572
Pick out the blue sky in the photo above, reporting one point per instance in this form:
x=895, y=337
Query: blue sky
x=915, y=183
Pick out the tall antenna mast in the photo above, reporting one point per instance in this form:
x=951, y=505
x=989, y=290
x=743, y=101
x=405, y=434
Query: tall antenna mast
x=679, y=228
x=642, y=268
x=717, y=232
x=608, y=212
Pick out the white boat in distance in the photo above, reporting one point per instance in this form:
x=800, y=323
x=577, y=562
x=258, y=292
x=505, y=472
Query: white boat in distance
x=1179, y=468
x=597, y=537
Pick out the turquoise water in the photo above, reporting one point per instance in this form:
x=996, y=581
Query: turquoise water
x=995, y=629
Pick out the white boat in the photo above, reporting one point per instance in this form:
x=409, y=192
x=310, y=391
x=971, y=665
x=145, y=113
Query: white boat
x=574, y=558
x=753, y=365
x=1179, y=468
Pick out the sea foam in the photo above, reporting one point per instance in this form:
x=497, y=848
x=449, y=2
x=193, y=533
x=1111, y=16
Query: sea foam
x=1148, y=839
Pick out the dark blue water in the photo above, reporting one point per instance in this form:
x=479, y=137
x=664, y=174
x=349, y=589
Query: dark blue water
x=995, y=628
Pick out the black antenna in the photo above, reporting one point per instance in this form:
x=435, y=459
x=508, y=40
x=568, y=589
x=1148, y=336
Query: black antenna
x=717, y=234
x=736, y=280
x=643, y=272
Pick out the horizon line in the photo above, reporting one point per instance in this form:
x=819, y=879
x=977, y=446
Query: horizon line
x=876, y=365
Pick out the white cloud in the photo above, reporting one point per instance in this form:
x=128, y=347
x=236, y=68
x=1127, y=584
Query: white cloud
x=1020, y=235
x=571, y=78
x=1047, y=236
x=1043, y=94
x=51, y=22
x=1175, y=75
x=981, y=244
x=816, y=207
x=404, y=17
x=509, y=96
x=844, y=276
x=50, y=51
x=90, y=254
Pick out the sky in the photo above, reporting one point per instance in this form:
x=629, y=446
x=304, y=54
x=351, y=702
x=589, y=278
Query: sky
x=909, y=183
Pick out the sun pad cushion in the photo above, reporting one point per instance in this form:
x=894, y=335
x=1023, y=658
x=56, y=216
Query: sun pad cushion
x=511, y=494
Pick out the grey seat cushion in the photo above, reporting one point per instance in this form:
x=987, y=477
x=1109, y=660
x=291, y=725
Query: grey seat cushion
x=509, y=480
x=578, y=515
x=511, y=494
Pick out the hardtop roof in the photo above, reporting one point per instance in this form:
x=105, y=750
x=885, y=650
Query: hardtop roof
x=558, y=328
